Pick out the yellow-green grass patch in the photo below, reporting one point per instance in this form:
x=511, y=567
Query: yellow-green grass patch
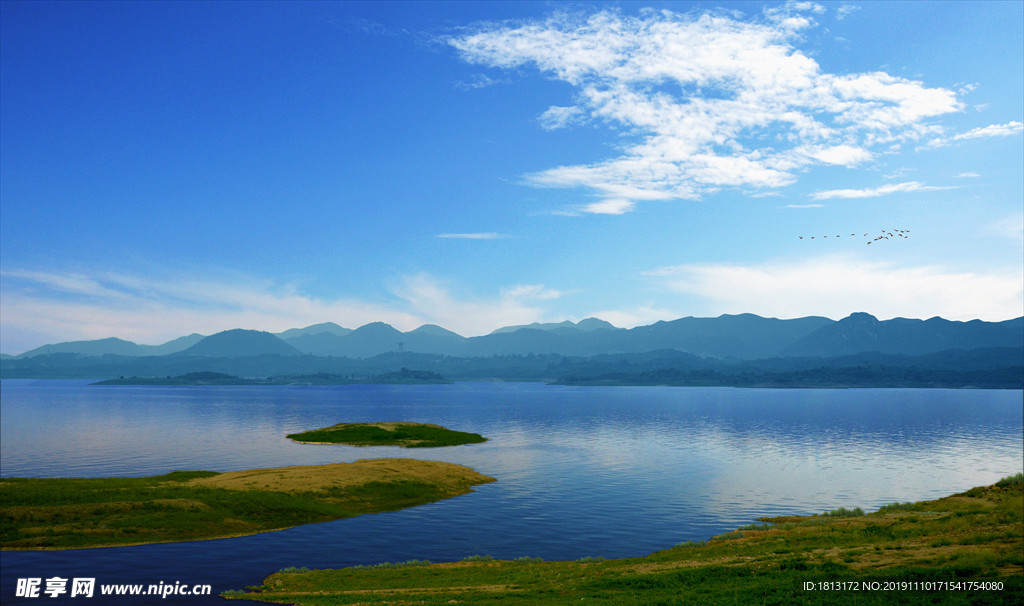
x=60, y=513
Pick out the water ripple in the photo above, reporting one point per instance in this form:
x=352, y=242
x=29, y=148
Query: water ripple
x=582, y=471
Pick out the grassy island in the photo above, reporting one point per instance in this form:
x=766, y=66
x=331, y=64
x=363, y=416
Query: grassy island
x=964, y=549
x=409, y=435
x=63, y=513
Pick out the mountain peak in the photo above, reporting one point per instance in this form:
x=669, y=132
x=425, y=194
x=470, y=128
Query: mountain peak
x=240, y=342
x=591, y=324
x=587, y=325
x=313, y=329
x=860, y=317
x=376, y=327
x=433, y=330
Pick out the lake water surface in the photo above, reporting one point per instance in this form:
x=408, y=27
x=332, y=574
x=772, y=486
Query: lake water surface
x=582, y=471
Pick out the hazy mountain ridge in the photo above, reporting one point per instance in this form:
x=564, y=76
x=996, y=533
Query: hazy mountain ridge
x=115, y=346
x=240, y=342
x=587, y=324
x=314, y=329
x=743, y=337
x=992, y=368
x=863, y=332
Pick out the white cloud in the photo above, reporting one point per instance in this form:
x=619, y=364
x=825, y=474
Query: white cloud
x=992, y=130
x=428, y=298
x=713, y=101
x=489, y=235
x=560, y=117
x=47, y=307
x=1011, y=227
x=479, y=81
x=804, y=205
x=843, y=155
x=838, y=286
x=967, y=88
x=636, y=316
x=968, y=175
x=147, y=310
x=611, y=206
x=845, y=10
x=875, y=191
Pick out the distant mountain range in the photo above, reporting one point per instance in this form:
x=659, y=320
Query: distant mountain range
x=739, y=350
x=743, y=336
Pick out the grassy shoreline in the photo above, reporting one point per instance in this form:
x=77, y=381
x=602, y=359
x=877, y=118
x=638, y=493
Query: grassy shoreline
x=76, y=513
x=967, y=548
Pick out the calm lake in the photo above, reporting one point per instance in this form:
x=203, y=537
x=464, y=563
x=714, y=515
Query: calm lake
x=582, y=471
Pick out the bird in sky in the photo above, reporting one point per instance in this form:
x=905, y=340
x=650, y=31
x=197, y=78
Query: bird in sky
x=886, y=234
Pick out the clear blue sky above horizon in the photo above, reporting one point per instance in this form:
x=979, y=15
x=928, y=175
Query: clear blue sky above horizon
x=168, y=167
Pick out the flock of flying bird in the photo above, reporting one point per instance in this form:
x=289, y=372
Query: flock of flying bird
x=886, y=235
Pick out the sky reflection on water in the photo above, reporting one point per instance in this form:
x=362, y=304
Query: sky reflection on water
x=581, y=470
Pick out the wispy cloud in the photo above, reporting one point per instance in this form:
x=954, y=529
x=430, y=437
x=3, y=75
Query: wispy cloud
x=804, y=205
x=556, y=117
x=430, y=298
x=488, y=235
x=610, y=206
x=845, y=10
x=838, y=286
x=635, y=316
x=45, y=307
x=1011, y=227
x=992, y=130
x=875, y=192
x=712, y=100
x=480, y=81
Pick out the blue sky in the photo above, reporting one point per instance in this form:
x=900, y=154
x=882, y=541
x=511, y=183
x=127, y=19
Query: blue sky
x=170, y=168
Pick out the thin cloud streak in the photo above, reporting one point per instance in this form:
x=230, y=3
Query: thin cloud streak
x=1011, y=227
x=713, y=100
x=429, y=298
x=992, y=130
x=875, y=192
x=48, y=307
x=839, y=286
x=635, y=316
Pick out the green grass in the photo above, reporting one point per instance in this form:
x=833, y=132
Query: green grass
x=976, y=536
x=410, y=435
x=406, y=564
x=62, y=513
x=1016, y=479
x=843, y=512
x=898, y=507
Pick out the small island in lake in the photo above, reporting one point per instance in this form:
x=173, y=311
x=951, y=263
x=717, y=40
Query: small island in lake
x=68, y=513
x=409, y=435
x=405, y=376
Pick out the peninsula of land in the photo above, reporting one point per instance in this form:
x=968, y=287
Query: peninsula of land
x=67, y=513
x=408, y=435
x=967, y=548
